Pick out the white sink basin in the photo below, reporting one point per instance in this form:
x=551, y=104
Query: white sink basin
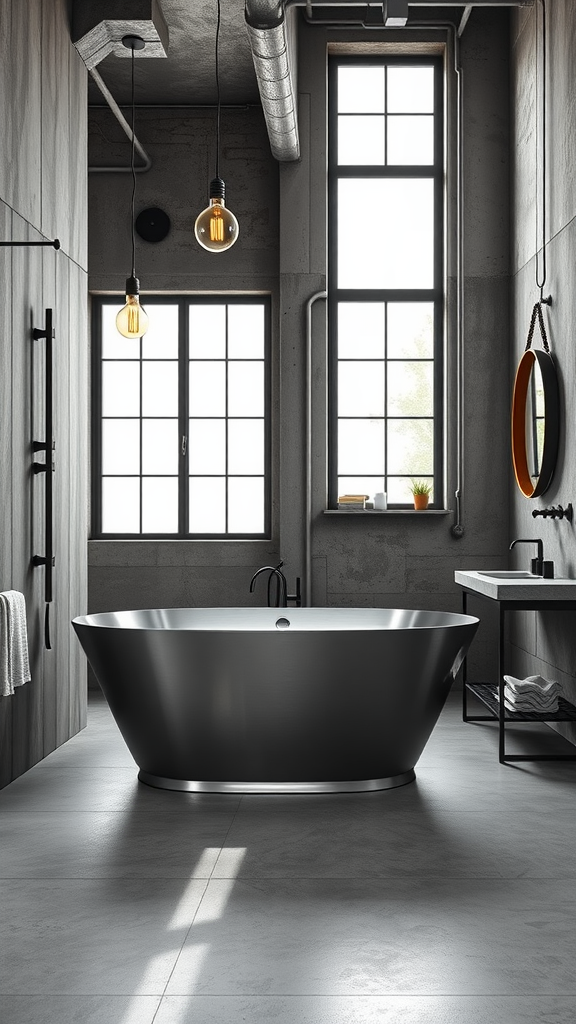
x=517, y=585
x=510, y=574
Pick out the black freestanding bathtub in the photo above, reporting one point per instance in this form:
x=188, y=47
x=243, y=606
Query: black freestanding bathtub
x=262, y=700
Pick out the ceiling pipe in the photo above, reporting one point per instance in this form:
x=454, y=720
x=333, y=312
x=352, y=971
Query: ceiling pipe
x=102, y=169
x=272, y=40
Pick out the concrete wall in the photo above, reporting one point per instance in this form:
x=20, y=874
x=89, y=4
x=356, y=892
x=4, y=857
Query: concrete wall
x=546, y=643
x=42, y=196
x=405, y=561
x=408, y=560
x=181, y=143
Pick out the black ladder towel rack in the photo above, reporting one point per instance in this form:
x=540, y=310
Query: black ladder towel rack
x=47, y=467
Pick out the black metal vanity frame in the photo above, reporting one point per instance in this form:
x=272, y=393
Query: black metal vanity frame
x=487, y=692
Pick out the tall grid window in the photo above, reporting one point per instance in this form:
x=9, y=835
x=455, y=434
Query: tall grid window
x=386, y=182
x=181, y=432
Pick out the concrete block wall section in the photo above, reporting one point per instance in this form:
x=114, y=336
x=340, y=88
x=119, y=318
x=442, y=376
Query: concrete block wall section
x=546, y=643
x=43, y=194
x=139, y=574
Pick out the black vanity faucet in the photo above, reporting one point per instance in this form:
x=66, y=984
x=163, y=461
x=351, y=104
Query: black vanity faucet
x=537, y=564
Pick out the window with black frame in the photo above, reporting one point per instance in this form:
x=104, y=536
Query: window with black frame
x=386, y=184
x=181, y=422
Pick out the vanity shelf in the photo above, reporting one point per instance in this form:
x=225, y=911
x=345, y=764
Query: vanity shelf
x=529, y=594
x=486, y=692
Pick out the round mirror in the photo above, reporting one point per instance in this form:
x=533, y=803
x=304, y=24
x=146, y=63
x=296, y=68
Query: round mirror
x=535, y=422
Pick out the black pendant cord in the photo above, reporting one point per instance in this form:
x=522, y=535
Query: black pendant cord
x=541, y=277
x=217, y=95
x=132, y=168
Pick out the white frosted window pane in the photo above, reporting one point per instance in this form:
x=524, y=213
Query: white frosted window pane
x=120, y=505
x=361, y=388
x=360, y=485
x=360, y=140
x=410, y=140
x=159, y=389
x=360, y=90
x=160, y=446
x=246, y=331
x=161, y=338
x=410, y=389
x=360, y=447
x=207, y=332
x=120, y=389
x=114, y=346
x=246, y=446
x=388, y=243
x=400, y=489
x=120, y=446
x=207, y=389
x=246, y=505
x=410, y=447
x=245, y=389
x=207, y=505
x=410, y=330
x=160, y=505
x=207, y=446
x=361, y=330
x=410, y=90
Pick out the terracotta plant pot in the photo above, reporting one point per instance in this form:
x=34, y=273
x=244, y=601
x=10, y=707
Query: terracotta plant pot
x=421, y=501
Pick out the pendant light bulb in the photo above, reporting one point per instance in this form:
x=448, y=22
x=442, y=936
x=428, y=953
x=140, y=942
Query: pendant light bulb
x=132, y=320
x=216, y=228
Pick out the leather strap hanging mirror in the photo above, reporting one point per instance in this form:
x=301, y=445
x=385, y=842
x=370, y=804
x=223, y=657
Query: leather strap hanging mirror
x=535, y=415
x=535, y=403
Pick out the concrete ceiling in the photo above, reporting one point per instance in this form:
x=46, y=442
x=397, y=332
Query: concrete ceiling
x=187, y=75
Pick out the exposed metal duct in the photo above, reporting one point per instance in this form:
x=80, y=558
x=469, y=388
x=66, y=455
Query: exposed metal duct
x=272, y=39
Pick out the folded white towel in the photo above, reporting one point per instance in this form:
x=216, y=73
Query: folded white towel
x=532, y=684
x=14, y=663
x=542, y=707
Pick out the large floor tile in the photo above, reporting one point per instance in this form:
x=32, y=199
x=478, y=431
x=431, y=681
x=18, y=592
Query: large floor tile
x=113, y=937
x=321, y=1009
x=78, y=1009
x=371, y=835
x=380, y=937
x=181, y=842
x=60, y=790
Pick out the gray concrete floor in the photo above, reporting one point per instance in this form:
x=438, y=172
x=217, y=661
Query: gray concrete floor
x=449, y=900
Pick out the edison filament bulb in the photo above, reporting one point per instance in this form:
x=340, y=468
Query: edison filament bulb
x=216, y=228
x=132, y=320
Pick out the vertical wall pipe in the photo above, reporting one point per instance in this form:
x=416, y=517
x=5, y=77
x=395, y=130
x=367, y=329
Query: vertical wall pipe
x=307, y=602
x=457, y=528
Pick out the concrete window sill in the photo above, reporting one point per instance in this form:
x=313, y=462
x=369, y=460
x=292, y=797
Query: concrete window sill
x=368, y=512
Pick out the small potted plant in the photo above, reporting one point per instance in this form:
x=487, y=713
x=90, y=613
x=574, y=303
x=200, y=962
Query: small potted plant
x=421, y=493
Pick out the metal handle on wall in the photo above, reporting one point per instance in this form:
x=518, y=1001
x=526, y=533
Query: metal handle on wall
x=47, y=467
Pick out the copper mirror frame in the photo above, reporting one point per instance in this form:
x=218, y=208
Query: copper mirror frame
x=533, y=485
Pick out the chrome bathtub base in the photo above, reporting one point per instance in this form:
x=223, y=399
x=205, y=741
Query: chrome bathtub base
x=355, y=786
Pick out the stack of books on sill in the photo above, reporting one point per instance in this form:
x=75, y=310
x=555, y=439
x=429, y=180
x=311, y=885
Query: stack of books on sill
x=352, y=502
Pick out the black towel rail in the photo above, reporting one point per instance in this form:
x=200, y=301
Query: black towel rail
x=47, y=467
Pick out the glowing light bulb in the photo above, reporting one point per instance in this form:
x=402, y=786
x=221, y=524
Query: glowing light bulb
x=216, y=228
x=132, y=320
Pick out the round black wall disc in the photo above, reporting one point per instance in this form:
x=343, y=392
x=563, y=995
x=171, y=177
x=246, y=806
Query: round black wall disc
x=152, y=225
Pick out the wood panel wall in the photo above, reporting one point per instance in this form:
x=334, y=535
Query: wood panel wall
x=43, y=194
